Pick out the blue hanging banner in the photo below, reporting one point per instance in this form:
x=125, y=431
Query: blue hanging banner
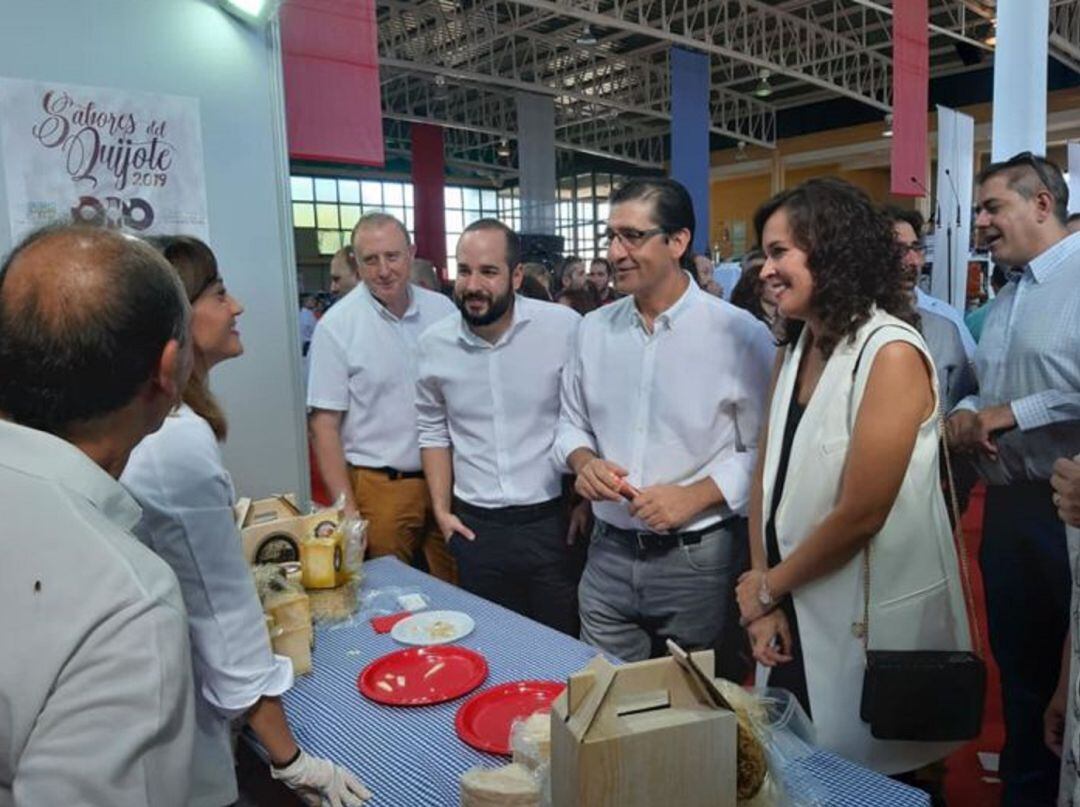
x=690, y=134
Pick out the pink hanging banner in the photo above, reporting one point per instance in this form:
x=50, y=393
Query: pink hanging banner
x=911, y=79
x=330, y=58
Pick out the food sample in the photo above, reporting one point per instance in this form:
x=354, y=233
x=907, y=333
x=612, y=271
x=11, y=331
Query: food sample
x=441, y=629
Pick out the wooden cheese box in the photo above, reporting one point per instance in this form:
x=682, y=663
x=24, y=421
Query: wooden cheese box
x=275, y=530
x=641, y=735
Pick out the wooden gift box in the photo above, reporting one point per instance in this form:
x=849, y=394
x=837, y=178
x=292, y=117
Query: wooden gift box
x=642, y=735
x=275, y=530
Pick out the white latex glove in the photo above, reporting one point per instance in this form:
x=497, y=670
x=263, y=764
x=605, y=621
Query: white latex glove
x=320, y=783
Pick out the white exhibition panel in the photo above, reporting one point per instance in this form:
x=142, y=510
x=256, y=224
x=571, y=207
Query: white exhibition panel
x=192, y=48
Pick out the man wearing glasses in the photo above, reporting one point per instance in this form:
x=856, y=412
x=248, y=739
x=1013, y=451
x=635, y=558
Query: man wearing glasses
x=661, y=409
x=1025, y=415
x=943, y=337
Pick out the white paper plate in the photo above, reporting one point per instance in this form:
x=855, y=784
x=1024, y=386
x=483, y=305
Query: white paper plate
x=433, y=627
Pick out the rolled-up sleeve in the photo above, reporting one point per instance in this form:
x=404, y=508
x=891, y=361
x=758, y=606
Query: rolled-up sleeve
x=430, y=404
x=733, y=472
x=328, y=372
x=573, y=431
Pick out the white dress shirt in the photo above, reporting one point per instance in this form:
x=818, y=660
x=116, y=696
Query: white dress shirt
x=1029, y=358
x=675, y=406
x=927, y=302
x=96, y=702
x=363, y=363
x=497, y=405
x=177, y=476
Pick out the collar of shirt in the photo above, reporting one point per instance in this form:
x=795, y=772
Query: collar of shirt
x=668, y=317
x=522, y=314
x=412, y=311
x=1050, y=262
x=44, y=455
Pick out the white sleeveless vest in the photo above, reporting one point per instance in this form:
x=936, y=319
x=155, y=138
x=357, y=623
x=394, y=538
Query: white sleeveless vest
x=916, y=600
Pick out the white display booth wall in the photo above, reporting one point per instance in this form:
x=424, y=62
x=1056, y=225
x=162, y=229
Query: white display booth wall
x=192, y=48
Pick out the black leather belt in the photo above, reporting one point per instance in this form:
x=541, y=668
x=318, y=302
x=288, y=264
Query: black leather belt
x=512, y=514
x=393, y=474
x=645, y=542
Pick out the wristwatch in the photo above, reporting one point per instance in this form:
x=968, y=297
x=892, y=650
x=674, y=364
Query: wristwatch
x=765, y=596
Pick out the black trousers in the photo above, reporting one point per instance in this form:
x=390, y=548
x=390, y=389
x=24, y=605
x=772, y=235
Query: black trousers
x=520, y=560
x=1025, y=566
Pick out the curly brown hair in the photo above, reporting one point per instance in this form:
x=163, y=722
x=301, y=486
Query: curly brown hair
x=851, y=253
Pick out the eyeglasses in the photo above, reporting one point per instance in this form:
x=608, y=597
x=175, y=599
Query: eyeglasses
x=1028, y=159
x=631, y=239
x=918, y=247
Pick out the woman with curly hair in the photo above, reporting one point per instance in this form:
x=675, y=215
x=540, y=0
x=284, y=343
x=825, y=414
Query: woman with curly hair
x=847, y=474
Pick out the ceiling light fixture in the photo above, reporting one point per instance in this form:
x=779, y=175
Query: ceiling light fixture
x=887, y=131
x=441, y=91
x=763, y=88
x=740, y=151
x=503, y=149
x=586, y=37
x=991, y=38
x=253, y=12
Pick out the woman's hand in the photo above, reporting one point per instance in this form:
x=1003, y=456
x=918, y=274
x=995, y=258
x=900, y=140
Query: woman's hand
x=748, y=593
x=770, y=639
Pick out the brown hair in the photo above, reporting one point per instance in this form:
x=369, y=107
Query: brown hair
x=197, y=268
x=851, y=253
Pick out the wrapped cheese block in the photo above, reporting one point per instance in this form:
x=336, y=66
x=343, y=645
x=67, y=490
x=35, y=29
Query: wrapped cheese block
x=509, y=786
x=530, y=740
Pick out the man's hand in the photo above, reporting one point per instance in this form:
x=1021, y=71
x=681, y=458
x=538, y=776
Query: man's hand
x=975, y=431
x=580, y=519
x=665, y=507
x=1066, y=484
x=1054, y=720
x=598, y=480
x=450, y=525
x=770, y=639
x=321, y=783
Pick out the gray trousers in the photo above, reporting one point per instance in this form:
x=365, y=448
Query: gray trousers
x=631, y=601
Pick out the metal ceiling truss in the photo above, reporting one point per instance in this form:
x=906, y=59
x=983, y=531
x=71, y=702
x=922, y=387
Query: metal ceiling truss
x=613, y=99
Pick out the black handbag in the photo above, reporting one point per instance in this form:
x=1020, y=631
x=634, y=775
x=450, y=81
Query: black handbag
x=925, y=695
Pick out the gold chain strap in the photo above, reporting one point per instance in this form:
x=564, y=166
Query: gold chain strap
x=961, y=544
x=863, y=630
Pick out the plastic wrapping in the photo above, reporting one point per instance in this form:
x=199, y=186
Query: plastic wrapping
x=511, y=785
x=373, y=602
x=354, y=529
x=530, y=744
x=787, y=736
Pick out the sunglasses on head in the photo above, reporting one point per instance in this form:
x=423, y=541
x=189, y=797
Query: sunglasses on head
x=1026, y=158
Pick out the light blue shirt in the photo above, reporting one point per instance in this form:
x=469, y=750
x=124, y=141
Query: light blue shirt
x=727, y=275
x=927, y=302
x=674, y=406
x=1029, y=358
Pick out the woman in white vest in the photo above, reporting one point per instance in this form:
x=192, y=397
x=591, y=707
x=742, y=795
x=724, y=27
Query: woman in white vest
x=179, y=480
x=848, y=464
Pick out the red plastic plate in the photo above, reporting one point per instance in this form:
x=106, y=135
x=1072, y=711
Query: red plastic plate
x=484, y=720
x=420, y=676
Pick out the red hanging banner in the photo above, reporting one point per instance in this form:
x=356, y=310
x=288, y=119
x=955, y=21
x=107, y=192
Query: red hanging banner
x=428, y=176
x=330, y=56
x=911, y=79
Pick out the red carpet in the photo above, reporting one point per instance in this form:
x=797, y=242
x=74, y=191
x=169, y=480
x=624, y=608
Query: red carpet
x=965, y=784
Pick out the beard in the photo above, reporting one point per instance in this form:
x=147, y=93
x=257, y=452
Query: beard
x=497, y=306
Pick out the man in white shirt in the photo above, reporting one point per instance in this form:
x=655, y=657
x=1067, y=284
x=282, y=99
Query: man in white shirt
x=956, y=378
x=95, y=674
x=344, y=273
x=661, y=411
x=488, y=403
x=362, y=391
x=927, y=303
x=1025, y=416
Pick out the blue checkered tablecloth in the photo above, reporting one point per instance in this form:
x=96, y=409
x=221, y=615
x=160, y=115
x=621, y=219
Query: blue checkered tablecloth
x=412, y=757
